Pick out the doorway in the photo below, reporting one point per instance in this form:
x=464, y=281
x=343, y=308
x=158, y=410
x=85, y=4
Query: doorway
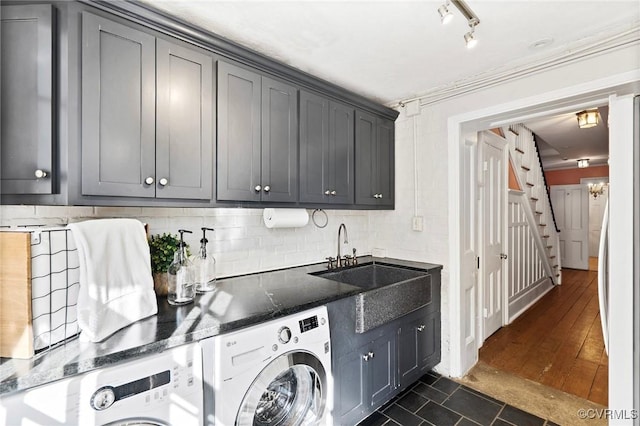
x=621, y=250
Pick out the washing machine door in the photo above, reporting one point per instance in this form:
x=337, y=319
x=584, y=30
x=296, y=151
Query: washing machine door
x=289, y=391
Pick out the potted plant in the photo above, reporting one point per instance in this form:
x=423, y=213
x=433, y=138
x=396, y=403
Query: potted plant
x=162, y=248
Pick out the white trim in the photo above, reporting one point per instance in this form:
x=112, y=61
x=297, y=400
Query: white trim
x=623, y=83
x=621, y=255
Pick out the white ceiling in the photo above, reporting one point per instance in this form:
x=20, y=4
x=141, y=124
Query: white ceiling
x=396, y=50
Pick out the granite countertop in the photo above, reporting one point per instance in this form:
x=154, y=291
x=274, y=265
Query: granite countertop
x=237, y=302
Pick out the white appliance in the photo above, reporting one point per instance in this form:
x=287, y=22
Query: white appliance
x=163, y=389
x=603, y=277
x=275, y=373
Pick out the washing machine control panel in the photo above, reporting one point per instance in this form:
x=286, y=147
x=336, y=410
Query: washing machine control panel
x=284, y=334
x=104, y=397
x=308, y=323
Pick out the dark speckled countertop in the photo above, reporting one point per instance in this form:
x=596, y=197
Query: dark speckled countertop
x=238, y=302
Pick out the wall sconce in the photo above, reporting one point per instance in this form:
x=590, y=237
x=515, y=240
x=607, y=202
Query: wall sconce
x=588, y=118
x=596, y=189
x=583, y=163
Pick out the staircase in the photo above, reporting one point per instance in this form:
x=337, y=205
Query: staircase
x=536, y=202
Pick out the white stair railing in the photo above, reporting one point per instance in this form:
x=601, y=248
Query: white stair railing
x=528, y=170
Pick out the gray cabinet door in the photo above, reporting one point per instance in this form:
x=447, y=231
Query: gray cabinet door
x=326, y=151
x=184, y=144
x=374, y=160
x=382, y=368
x=418, y=346
x=26, y=90
x=352, y=400
x=239, y=148
x=341, y=147
x=366, y=159
x=386, y=162
x=118, y=109
x=279, y=174
x=314, y=148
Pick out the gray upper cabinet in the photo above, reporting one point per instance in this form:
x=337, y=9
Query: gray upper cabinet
x=136, y=142
x=27, y=100
x=326, y=150
x=374, y=160
x=257, y=137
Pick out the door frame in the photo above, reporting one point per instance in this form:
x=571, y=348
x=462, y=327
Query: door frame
x=479, y=206
x=618, y=91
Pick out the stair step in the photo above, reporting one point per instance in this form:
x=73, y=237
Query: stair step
x=542, y=224
x=555, y=266
x=557, y=275
x=545, y=236
x=519, y=150
x=534, y=199
x=530, y=185
x=514, y=132
x=538, y=213
x=525, y=168
x=552, y=257
x=549, y=247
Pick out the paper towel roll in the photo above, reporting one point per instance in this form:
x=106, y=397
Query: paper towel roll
x=285, y=218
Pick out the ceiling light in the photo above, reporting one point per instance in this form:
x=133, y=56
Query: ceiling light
x=588, y=118
x=583, y=163
x=469, y=39
x=445, y=14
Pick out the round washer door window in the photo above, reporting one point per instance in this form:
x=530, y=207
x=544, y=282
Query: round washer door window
x=289, y=391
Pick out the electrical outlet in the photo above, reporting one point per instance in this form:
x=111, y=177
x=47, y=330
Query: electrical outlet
x=418, y=223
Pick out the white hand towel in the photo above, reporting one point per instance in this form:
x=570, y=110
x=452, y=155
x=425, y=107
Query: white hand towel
x=116, y=285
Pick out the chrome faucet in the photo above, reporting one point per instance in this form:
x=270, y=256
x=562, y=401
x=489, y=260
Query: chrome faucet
x=340, y=261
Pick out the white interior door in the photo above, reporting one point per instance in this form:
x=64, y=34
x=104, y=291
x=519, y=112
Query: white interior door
x=571, y=209
x=493, y=195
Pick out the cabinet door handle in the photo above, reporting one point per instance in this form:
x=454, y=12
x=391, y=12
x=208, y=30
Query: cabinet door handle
x=267, y=188
x=163, y=181
x=333, y=192
x=40, y=174
x=421, y=327
x=257, y=188
x=149, y=180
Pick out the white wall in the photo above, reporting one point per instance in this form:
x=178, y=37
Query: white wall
x=241, y=243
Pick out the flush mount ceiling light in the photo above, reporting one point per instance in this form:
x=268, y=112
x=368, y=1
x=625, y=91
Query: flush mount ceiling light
x=583, y=163
x=445, y=14
x=472, y=19
x=588, y=118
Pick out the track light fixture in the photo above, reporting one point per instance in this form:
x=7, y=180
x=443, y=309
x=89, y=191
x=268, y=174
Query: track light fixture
x=469, y=38
x=445, y=14
x=465, y=10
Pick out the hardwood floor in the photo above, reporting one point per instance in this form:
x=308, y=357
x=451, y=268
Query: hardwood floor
x=558, y=341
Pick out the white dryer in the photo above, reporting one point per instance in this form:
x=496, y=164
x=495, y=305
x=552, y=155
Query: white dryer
x=273, y=374
x=160, y=390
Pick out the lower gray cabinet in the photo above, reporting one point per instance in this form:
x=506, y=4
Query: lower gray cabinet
x=418, y=347
x=365, y=378
x=27, y=131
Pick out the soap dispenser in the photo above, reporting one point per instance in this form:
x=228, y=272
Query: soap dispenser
x=204, y=265
x=180, y=274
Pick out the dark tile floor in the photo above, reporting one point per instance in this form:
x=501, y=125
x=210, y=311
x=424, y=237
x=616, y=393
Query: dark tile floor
x=436, y=400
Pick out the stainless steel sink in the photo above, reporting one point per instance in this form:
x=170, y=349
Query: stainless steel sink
x=391, y=292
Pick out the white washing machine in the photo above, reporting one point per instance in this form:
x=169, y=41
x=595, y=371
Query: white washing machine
x=274, y=374
x=160, y=390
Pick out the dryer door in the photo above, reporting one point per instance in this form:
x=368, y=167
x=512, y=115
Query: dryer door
x=290, y=390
